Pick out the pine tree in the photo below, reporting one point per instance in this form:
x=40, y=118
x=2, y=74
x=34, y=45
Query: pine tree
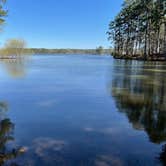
x=139, y=30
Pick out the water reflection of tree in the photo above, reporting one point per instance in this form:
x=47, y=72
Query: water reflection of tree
x=139, y=89
x=15, y=67
x=162, y=156
x=6, y=135
x=14, y=55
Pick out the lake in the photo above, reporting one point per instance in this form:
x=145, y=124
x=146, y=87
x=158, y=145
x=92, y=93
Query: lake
x=82, y=110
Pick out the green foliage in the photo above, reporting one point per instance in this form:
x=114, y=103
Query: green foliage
x=139, y=30
x=99, y=50
x=7, y=135
x=65, y=51
x=3, y=12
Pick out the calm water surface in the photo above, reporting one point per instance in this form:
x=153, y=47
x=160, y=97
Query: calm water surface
x=82, y=111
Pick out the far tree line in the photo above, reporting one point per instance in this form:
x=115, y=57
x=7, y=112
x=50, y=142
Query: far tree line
x=15, y=48
x=99, y=51
x=139, y=30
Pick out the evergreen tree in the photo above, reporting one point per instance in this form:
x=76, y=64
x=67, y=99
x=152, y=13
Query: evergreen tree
x=3, y=12
x=139, y=30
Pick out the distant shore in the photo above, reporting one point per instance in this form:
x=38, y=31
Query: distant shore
x=8, y=54
x=66, y=51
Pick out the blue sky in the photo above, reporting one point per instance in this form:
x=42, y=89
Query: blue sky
x=60, y=23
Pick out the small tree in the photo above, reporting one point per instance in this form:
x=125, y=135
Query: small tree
x=99, y=50
x=14, y=48
x=14, y=57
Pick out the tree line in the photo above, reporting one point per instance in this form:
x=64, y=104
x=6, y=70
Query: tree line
x=99, y=51
x=139, y=30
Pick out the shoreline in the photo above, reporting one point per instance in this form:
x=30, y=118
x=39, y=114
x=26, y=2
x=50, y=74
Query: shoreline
x=120, y=57
x=149, y=58
x=55, y=54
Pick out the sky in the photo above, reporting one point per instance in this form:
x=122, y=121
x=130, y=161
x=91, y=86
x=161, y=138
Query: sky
x=60, y=23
